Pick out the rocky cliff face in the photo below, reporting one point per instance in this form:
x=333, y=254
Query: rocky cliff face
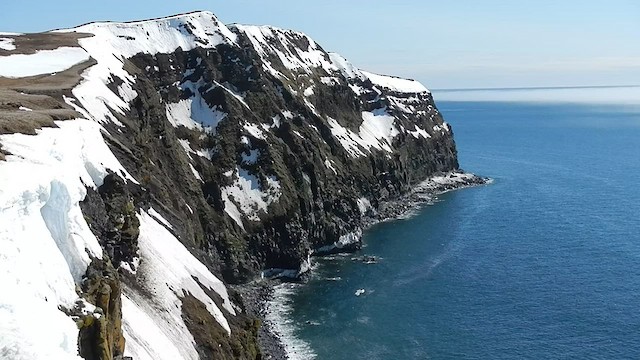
x=225, y=150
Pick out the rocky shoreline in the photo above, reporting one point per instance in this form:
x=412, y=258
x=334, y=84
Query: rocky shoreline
x=257, y=295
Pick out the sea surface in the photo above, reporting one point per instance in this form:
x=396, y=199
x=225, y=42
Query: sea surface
x=544, y=263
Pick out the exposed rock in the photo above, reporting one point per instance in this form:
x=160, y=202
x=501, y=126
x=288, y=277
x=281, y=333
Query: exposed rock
x=212, y=341
x=101, y=337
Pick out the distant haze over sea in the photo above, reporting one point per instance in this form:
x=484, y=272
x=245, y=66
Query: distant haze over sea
x=597, y=94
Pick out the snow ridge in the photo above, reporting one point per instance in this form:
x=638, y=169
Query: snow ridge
x=294, y=50
x=113, y=43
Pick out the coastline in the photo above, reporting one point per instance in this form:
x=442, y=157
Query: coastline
x=262, y=301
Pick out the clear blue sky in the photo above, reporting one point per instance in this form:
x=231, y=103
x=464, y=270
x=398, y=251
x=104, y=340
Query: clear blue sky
x=444, y=44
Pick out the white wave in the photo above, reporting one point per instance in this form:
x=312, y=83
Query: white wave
x=278, y=315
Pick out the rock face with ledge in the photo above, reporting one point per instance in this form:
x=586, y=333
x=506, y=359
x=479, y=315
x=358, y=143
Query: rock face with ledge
x=228, y=152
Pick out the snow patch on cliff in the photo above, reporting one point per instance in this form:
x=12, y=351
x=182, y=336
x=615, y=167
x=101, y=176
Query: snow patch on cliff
x=364, y=205
x=377, y=131
x=249, y=194
x=194, y=113
x=419, y=132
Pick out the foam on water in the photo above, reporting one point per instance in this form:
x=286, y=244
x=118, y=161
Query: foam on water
x=278, y=315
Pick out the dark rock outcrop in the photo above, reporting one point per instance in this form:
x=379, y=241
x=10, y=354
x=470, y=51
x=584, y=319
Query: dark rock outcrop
x=101, y=337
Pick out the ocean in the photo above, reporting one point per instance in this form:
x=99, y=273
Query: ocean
x=541, y=264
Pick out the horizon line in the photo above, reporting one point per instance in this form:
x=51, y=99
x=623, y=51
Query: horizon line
x=536, y=87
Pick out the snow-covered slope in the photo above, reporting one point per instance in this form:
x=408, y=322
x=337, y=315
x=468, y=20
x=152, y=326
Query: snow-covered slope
x=45, y=242
x=153, y=321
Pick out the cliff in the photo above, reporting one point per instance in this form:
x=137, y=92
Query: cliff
x=145, y=165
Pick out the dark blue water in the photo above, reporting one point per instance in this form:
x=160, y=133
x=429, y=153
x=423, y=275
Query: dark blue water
x=543, y=263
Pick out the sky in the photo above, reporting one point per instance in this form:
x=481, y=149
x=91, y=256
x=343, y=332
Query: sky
x=443, y=44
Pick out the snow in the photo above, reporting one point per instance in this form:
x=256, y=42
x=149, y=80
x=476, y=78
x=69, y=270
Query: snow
x=405, y=104
x=186, y=145
x=347, y=138
x=287, y=114
x=276, y=121
x=152, y=322
x=358, y=90
x=395, y=83
x=312, y=107
x=45, y=242
x=145, y=337
x=419, y=132
x=205, y=153
x=441, y=128
x=270, y=41
x=249, y=194
x=234, y=93
x=376, y=131
x=364, y=205
x=345, y=67
x=194, y=112
x=160, y=35
x=329, y=80
x=7, y=44
x=308, y=91
x=32, y=328
x=255, y=131
x=41, y=62
x=232, y=210
x=329, y=165
x=156, y=215
x=195, y=173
